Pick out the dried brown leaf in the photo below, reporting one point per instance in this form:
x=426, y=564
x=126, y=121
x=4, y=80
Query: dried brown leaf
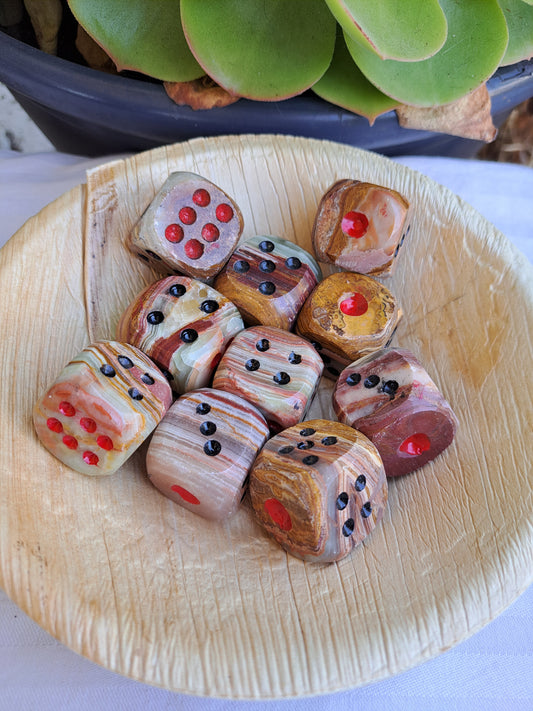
x=93, y=54
x=45, y=16
x=468, y=117
x=199, y=94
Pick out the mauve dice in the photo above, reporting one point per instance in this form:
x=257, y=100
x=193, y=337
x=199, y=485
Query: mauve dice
x=275, y=370
x=201, y=453
x=346, y=317
x=102, y=406
x=191, y=226
x=184, y=326
x=319, y=488
x=391, y=399
x=360, y=227
x=268, y=279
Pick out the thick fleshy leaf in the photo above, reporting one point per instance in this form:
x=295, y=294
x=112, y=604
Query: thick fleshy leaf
x=411, y=30
x=345, y=85
x=139, y=35
x=519, y=17
x=261, y=50
x=476, y=43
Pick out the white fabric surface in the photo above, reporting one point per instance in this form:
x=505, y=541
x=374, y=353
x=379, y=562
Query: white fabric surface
x=491, y=670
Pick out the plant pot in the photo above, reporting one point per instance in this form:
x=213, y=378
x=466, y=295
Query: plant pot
x=89, y=113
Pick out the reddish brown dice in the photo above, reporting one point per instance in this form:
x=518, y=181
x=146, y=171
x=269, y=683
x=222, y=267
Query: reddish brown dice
x=391, y=399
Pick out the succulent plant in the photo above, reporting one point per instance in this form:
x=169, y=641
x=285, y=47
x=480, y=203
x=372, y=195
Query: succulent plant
x=368, y=56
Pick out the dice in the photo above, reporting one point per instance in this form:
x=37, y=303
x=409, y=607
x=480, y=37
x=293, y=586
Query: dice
x=184, y=326
x=391, y=399
x=268, y=279
x=201, y=453
x=347, y=316
x=102, y=406
x=275, y=370
x=360, y=227
x=191, y=226
x=319, y=489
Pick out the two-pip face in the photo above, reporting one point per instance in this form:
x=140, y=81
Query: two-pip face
x=275, y=370
x=184, y=326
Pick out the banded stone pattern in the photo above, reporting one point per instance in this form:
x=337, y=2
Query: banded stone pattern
x=102, y=406
x=390, y=397
x=202, y=451
x=348, y=316
x=319, y=488
x=360, y=227
x=268, y=279
x=191, y=226
x=275, y=370
x=184, y=326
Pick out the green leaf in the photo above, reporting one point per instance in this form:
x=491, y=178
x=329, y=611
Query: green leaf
x=519, y=17
x=476, y=43
x=143, y=36
x=409, y=30
x=261, y=49
x=345, y=85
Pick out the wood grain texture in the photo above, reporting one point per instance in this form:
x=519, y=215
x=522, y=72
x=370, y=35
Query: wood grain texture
x=113, y=569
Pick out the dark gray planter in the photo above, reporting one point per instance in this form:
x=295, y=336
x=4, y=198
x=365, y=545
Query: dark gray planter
x=90, y=113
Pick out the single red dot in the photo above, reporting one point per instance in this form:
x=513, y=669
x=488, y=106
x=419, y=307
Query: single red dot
x=278, y=513
x=201, y=197
x=104, y=442
x=224, y=212
x=54, y=424
x=354, y=224
x=187, y=215
x=65, y=408
x=354, y=305
x=88, y=424
x=210, y=232
x=90, y=458
x=193, y=249
x=415, y=444
x=174, y=233
x=70, y=442
x=185, y=495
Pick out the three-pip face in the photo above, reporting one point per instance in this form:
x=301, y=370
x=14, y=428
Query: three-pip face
x=191, y=226
x=102, y=406
x=202, y=451
x=184, y=326
x=275, y=370
x=268, y=279
x=391, y=399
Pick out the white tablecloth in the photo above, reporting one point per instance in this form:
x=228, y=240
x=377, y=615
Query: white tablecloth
x=491, y=670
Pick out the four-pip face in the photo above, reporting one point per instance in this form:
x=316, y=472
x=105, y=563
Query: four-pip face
x=275, y=370
x=184, y=325
x=268, y=279
x=102, y=406
x=191, y=226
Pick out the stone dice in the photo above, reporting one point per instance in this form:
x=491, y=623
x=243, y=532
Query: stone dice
x=184, y=326
x=191, y=226
x=347, y=316
x=103, y=405
x=202, y=451
x=391, y=399
x=275, y=370
x=360, y=227
x=319, y=488
x=268, y=279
